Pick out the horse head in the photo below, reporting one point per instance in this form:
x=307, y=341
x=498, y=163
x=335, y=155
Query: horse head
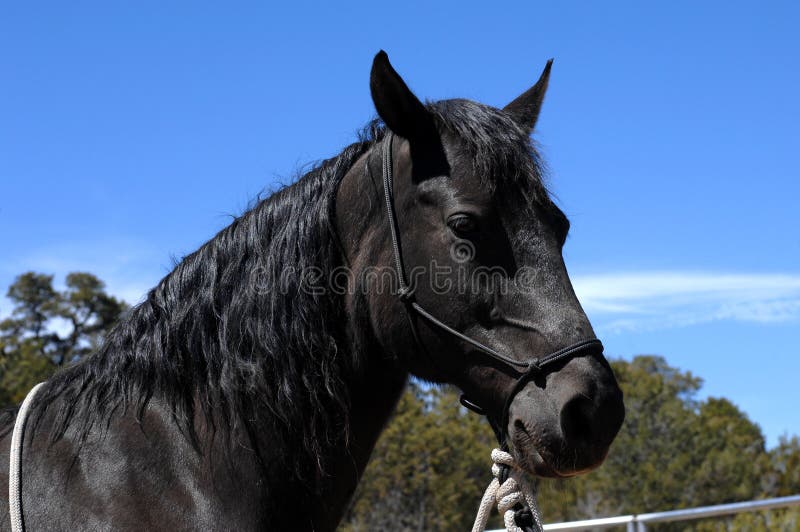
x=474, y=242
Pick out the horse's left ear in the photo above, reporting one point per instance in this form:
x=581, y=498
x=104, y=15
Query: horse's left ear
x=400, y=110
x=525, y=108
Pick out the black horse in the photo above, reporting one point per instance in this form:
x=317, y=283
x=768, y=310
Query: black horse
x=248, y=390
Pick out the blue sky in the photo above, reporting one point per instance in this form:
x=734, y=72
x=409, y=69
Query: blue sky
x=130, y=131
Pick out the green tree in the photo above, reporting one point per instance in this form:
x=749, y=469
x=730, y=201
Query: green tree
x=785, y=467
x=21, y=367
x=34, y=303
x=729, y=455
x=90, y=312
x=48, y=328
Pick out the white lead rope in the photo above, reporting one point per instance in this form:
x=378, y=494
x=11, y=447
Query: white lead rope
x=15, y=464
x=515, y=490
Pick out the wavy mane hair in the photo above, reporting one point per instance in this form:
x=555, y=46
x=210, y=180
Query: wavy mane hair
x=217, y=337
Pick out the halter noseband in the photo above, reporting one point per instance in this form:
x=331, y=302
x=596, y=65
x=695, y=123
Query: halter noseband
x=527, y=370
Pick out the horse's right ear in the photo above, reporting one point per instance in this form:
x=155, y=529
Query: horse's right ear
x=400, y=110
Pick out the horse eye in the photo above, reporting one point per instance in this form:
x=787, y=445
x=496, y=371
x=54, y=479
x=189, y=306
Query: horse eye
x=462, y=224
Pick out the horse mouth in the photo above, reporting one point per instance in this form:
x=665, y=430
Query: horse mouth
x=532, y=462
x=535, y=456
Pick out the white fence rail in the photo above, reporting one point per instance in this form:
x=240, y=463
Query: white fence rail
x=639, y=522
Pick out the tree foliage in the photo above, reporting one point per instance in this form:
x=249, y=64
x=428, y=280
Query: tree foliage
x=49, y=328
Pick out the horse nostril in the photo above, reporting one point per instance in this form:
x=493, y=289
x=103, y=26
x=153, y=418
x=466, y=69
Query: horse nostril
x=593, y=421
x=577, y=419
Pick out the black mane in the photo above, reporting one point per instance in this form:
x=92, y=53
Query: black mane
x=229, y=336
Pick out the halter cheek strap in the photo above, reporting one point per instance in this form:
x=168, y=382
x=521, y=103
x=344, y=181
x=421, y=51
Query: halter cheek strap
x=526, y=370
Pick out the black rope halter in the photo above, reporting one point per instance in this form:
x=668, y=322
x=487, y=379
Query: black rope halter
x=527, y=370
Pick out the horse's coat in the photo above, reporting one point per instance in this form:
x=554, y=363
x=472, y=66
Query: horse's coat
x=248, y=390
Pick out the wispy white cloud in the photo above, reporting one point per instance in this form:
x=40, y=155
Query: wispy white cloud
x=620, y=302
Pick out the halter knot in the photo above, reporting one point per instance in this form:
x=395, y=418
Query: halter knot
x=405, y=293
x=513, y=494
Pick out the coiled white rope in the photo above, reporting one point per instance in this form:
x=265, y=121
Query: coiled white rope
x=15, y=463
x=516, y=489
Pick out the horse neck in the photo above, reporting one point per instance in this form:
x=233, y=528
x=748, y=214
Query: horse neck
x=378, y=384
x=373, y=401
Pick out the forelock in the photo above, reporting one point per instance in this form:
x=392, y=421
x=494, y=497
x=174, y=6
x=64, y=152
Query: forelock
x=502, y=153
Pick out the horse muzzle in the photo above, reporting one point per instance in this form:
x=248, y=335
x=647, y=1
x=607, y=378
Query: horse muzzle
x=565, y=428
